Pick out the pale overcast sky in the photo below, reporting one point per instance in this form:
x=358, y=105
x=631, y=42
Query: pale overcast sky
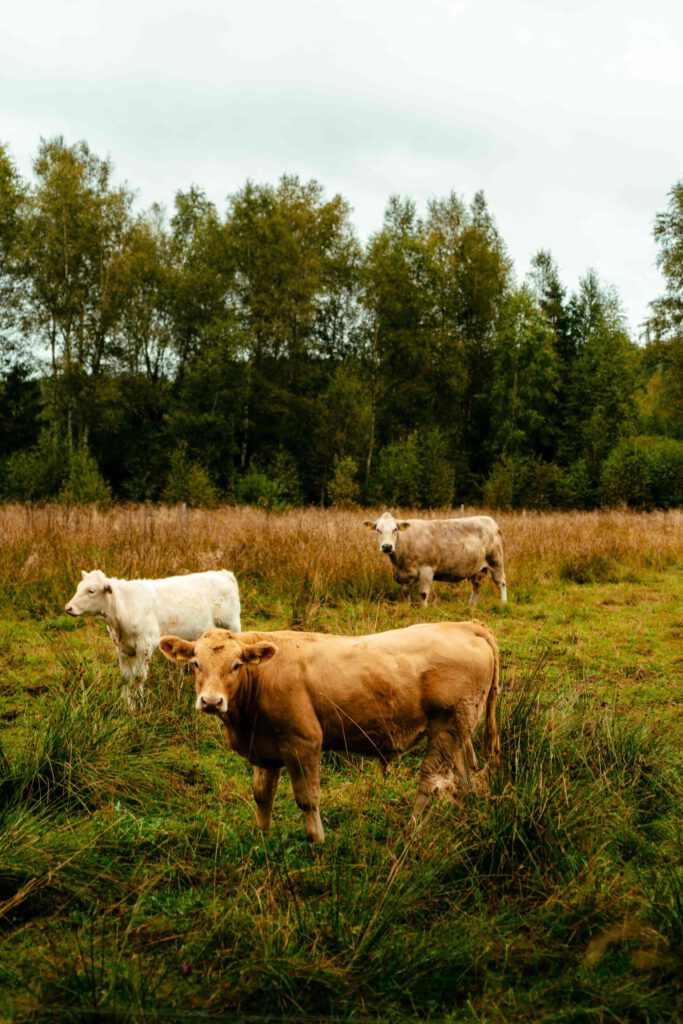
x=567, y=113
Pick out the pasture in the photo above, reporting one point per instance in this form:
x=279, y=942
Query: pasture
x=134, y=884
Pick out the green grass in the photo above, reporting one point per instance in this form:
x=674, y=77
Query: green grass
x=134, y=884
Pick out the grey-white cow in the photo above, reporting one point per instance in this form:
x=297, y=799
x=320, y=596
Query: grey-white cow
x=422, y=550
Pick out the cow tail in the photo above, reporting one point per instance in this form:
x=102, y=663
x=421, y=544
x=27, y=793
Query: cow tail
x=491, y=739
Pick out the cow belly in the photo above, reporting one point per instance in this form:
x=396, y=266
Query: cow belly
x=188, y=626
x=453, y=576
x=380, y=739
x=381, y=746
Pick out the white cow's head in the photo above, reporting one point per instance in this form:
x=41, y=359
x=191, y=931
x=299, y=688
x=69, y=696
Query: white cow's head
x=388, y=529
x=92, y=595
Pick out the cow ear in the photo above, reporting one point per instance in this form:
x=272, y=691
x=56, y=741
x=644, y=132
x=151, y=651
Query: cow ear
x=369, y=523
x=255, y=653
x=107, y=588
x=176, y=649
x=83, y=574
x=402, y=524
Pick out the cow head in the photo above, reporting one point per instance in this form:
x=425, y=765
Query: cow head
x=92, y=596
x=220, y=661
x=388, y=529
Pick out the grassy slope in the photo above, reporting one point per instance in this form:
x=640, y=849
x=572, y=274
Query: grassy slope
x=133, y=884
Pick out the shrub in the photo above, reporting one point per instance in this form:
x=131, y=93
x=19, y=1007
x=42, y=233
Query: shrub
x=499, y=489
x=521, y=482
x=83, y=484
x=416, y=472
x=188, y=482
x=274, y=485
x=644, y=472
x=343, y=488
x=37, y=473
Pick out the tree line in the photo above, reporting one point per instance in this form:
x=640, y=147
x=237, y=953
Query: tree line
x=263, y=354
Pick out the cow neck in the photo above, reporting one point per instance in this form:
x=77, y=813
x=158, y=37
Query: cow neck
x=111, y=616
x=243, y=703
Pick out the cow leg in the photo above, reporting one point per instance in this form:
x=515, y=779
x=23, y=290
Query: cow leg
x=304, y=772
x=476, y=582
x=426, y=577
x=133, y=688
x=498, y=576
x=265, y=784
x=134, y=669
x=449, y=755
x=491, y=739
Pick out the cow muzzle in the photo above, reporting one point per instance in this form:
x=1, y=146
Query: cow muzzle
x=70, y=610
x=387, y=549
x=212, y=703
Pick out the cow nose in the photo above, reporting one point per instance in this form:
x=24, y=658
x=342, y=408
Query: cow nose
x=387, y=548
x=211, y=702
x=68, y=609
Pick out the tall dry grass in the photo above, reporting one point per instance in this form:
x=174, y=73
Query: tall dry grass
x=327, y=551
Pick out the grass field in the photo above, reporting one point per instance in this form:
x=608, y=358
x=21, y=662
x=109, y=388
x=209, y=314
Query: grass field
x=135, y=886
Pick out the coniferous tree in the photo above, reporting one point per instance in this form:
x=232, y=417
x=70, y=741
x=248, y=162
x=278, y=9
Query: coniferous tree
x=601, y=404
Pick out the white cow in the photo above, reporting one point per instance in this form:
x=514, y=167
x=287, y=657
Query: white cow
x=139, y=612
x=422, y=550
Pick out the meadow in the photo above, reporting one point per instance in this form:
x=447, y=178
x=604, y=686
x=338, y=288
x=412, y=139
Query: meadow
x=134, y=884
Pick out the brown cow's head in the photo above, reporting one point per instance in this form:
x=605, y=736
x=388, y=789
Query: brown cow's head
x=388, y=529
x=219, y=659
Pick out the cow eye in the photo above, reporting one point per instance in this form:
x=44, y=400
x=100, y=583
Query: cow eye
x=236, y=666
x=91, y=590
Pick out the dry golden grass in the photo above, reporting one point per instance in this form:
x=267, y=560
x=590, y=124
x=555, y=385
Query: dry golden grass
x=325, y=550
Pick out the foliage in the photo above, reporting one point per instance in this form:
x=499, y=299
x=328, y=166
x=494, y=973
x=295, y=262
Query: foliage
x=274, y=485
x=343, y=489
x=188, y=483
x=520, y=482
x=416, y=471
x=232, y=334
x=664, y=328
x=525, y=379
x=36, y=473
x=644, y=472
x=83, y=484
x=601, y=405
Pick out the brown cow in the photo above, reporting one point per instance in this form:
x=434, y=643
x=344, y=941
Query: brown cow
x=422, y=550
x=284, y=697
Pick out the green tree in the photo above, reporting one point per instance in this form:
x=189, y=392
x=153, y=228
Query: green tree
x=343, y=488
x=73, y=234
x=293, y=252
x=145, y=339
x=188, y=482
x=396, y=290
x=83, y=483
x=601, y=405
x=471, y=272
x=664, y=328
x=12, y=192
x=525, y=379
x=342, y=425
x=645, y=472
